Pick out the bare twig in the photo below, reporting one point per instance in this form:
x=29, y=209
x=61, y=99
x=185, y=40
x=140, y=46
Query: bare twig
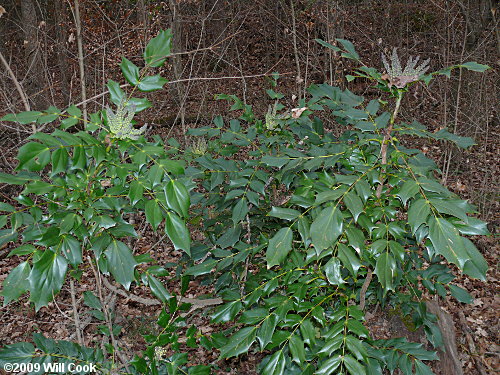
x=185, y=80
x=81, y=64
x=75, y=312
x=198, y=303
x=364, y=288
x=19, y=89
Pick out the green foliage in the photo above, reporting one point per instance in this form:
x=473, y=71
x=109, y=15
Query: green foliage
x=296, y=222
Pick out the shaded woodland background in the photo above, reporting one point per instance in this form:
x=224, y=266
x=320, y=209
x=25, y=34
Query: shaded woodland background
x=229, y=47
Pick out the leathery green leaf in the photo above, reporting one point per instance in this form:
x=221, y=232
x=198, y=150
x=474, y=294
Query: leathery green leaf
x=239, y=343
x=135, y=192
x=407, y=191
x=158, y=289
x=178, y=197
x=353, y=366
x=16, y=283
x=276, y=364
x=240, y=210
x=332, y=271
x=476, y=266
x=349, y=259
x=326, y=228
x=329, y=366
x=447, y=241
x=177, y=232
x=460, y=294
x=297, y=349
x=153, y=213
x=418, y=213
x=284, y=213
x=227, y=312
x=266, y=330
x=46, y=278
x=158, y=48
x=385, y=270
x=354, y=204
x=279, y=247
x=121, y=262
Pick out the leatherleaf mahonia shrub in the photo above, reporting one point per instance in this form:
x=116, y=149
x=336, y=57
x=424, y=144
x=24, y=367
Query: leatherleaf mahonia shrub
x=303, y=231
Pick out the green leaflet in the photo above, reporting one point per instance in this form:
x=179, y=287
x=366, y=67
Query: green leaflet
x=354, y=204
x=239, y=343
x=177, y=232
x=46, y=278
x=326, y=228
x=386, y=270
x=447, y=241
x=121, y=263
x=418, y=213
x=16, y=283
x=279, y=247
x=275, y=365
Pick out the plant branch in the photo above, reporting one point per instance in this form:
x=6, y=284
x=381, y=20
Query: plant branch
x=19, y=89
x=385, y=143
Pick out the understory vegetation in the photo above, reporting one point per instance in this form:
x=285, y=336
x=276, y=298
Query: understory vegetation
x=302, y=230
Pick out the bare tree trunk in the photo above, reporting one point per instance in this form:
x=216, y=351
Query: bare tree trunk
x=81, y=62
x=60, y=19
x=176, y=59
x=35, y=80
x=142, y=17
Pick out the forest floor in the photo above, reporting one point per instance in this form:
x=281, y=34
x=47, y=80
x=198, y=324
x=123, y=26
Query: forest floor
x=474, y=177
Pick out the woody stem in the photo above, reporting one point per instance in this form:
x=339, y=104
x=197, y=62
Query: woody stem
x=385, y=143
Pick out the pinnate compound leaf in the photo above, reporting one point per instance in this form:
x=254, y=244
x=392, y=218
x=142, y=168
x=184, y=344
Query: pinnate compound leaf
x=275, y=365
x=121, y=262
x=46, y=278
x=239, y=343
x=178, y=233
x=326, y=228
x=279, y=247
x=16, y=283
